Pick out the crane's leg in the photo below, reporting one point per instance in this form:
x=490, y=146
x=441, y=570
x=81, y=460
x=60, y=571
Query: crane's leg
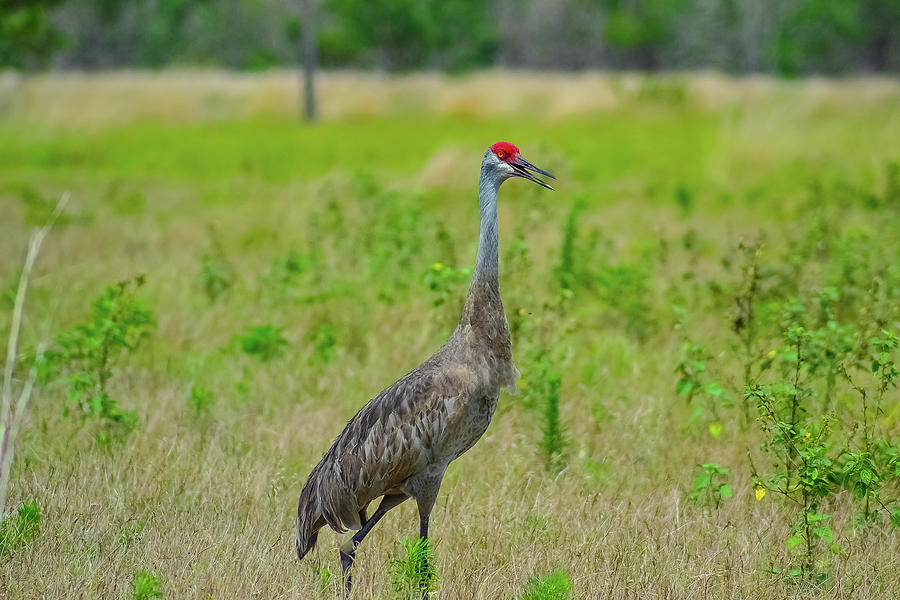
x=426, y=493
x=425, y=507
x=348, y=550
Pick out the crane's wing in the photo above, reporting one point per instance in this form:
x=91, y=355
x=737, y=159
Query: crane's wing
x=391, y=438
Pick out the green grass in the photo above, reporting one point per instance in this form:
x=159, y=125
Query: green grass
x=281, y=150
x=322, y=258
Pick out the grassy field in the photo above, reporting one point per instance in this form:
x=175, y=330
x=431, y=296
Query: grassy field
x=352, y=235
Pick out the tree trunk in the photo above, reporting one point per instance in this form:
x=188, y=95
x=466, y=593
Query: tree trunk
x=308, y=35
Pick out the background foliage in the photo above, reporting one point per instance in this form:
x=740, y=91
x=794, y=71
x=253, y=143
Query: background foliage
x=787, y=37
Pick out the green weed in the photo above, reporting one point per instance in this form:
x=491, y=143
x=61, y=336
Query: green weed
x=625, y=288
x=264, y=342
x=326, y=581
x=131, y=533
x=447, y=289
x=89, y=353
x=18, y=529
x=586, y=264
x=873, y=461
x=145, y=586
x=745, y=324
x=798, y=442
x=414, y=575
x=694, y=383
x=570, y=268
x=445, y=283
x=200, y=400
x=283, y=279
x=553, y=438
x=324, y=339
x=711, y=485
x=554, y=586
x=216, y=276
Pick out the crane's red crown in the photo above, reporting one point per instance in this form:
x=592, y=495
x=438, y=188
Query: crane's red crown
x=505, y=151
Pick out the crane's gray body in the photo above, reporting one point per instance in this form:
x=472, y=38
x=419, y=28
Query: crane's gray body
x=402, y=440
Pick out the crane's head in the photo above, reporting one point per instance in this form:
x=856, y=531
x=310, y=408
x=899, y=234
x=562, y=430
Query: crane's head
x=504, y=161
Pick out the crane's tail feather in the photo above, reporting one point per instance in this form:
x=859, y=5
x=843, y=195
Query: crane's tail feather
x=309, y=520
x=327, y=499
x=307, y=544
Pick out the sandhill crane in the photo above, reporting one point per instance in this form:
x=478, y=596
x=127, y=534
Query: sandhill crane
x=399, y=444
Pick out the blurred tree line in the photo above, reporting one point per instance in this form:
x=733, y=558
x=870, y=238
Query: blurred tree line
x=784, y=36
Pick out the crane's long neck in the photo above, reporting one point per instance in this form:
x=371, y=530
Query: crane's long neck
x=487, y=263
x=483, y=310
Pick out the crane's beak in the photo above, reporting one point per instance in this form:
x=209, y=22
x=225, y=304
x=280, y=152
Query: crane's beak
x=523, y=168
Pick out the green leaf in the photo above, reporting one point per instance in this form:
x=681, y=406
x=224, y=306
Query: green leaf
x=824, y=533
x=684, y=387
x=715, y=429
x=725, y=491
x=895, y=516
x=793, y=542
x=698, y=412
x=795, y=572
x=714, y=389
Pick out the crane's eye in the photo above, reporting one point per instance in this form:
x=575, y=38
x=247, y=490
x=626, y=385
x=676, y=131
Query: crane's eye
x=499, y=153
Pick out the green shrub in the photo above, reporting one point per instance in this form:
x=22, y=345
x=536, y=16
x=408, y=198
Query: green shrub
x=89, y=353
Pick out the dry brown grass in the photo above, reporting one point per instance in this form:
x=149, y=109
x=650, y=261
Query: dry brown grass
x=209, y=505
x=92, y=99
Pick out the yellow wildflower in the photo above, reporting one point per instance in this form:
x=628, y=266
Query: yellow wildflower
x=760, y=492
